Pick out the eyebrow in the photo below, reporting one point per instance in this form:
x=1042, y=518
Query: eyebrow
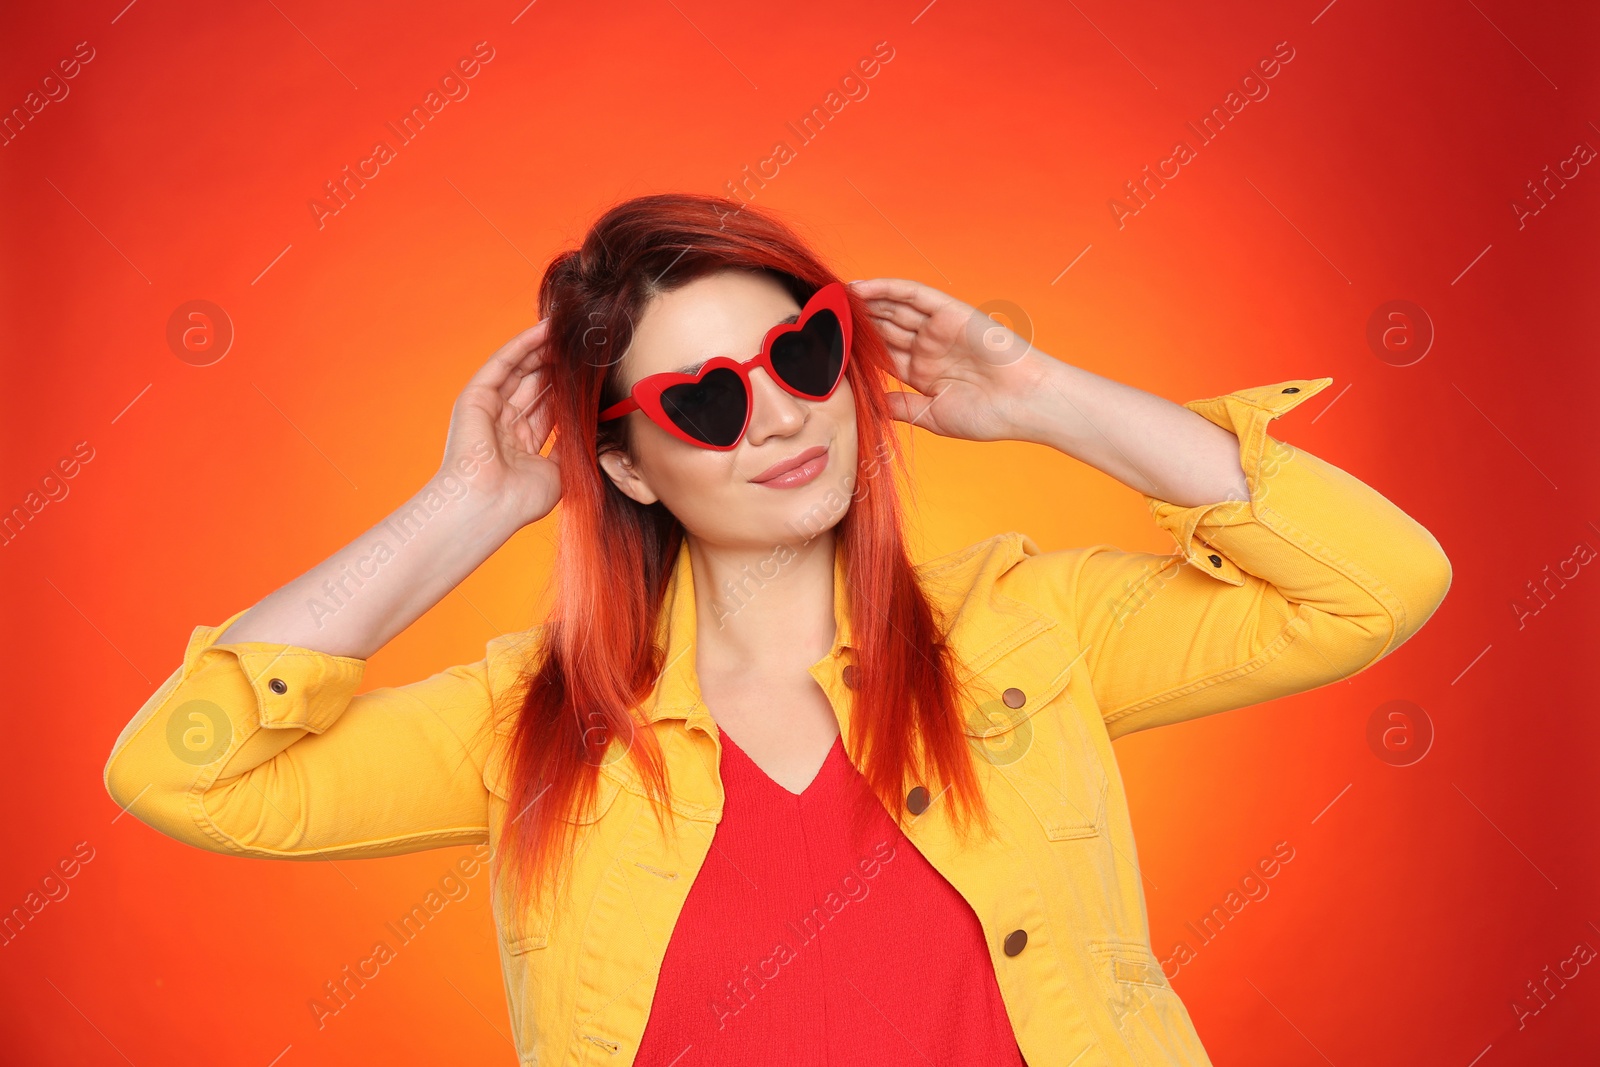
x=691, y=368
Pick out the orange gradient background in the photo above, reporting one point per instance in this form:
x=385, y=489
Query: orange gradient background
x=1382, y=165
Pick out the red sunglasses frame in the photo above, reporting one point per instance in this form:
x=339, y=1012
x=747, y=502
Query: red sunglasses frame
x=646, y=393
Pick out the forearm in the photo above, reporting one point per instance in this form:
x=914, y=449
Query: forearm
x=359, y=598
x=1150, y=444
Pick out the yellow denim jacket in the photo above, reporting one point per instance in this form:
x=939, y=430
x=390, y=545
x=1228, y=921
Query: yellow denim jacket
x=267, y=750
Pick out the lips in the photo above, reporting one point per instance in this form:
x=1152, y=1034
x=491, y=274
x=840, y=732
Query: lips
x=790, y=464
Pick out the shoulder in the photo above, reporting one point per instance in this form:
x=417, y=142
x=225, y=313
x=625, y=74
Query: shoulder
x=1011, y=563
x=990, y=557
x=1006, y=611
x=1010, y=575
x=508, y=659
x=995, y=576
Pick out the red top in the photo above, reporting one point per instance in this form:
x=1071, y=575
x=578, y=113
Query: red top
x=807, y=942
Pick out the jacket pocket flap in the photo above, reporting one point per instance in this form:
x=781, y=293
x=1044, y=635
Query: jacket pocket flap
x=1015, y=685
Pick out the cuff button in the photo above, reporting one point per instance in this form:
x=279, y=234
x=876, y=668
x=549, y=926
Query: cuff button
x=278, y=685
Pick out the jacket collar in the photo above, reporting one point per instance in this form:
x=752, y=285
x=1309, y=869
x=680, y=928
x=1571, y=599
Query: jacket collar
x=677, y=692
x=1012, y=640
x=962, y=584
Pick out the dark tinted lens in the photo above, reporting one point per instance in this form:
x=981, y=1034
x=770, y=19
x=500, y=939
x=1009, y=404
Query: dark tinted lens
x=809, y=359
x=710, y=410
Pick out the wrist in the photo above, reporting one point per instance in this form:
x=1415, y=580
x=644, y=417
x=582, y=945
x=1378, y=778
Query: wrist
x=475, y=504
x=1045, y=414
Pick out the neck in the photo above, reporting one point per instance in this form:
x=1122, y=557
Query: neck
x=763, y=607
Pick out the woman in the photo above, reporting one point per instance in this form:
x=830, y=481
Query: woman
x=760, y=789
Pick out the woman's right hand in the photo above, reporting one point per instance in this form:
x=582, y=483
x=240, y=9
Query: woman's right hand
x=500, y=422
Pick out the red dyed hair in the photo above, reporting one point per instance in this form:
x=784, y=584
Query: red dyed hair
x=598, y=659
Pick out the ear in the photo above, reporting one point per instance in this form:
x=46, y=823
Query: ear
x=619, y=467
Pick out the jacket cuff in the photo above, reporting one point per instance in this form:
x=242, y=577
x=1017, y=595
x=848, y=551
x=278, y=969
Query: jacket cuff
x=1245, y=413
x=294, y=687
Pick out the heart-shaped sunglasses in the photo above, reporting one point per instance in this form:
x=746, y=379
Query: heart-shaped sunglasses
x=711, y=407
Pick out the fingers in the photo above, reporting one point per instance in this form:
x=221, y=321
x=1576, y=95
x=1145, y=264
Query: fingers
x=522, y=398
x=907, y=406
x=522, y=352
x=897, y=341
x=513, y=381
x=902, y=315
x=902, y=365
x=923, y=298
x=897, y=338
x=528, y=405
x=531, y=367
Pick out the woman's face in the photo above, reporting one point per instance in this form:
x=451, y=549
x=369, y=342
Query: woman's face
x=719, y=496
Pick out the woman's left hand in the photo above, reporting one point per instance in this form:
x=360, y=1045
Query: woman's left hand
x=974, y=377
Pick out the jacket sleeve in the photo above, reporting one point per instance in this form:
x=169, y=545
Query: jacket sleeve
x=260, y=749
x=1311, y=580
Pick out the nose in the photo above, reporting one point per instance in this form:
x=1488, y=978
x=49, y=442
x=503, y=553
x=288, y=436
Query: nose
x=775, y=412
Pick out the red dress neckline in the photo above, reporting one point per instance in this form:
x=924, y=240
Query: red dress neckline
x=819, y=939
x=824, y=771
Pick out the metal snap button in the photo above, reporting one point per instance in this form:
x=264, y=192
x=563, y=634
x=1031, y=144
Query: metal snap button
x=278, y=685
x=917, y=801
x=1015, y=941
x=1292, y=389
x=1216, y=560
x=850, y=675
x=1014, y=697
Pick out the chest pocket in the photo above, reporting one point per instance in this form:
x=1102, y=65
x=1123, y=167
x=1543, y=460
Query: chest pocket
x=1027, y=726
x=522, y=930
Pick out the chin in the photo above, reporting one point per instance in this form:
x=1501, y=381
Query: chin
x=817, y=508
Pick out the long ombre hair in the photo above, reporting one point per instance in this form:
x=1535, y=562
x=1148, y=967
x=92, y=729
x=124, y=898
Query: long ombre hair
x=598, y=658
